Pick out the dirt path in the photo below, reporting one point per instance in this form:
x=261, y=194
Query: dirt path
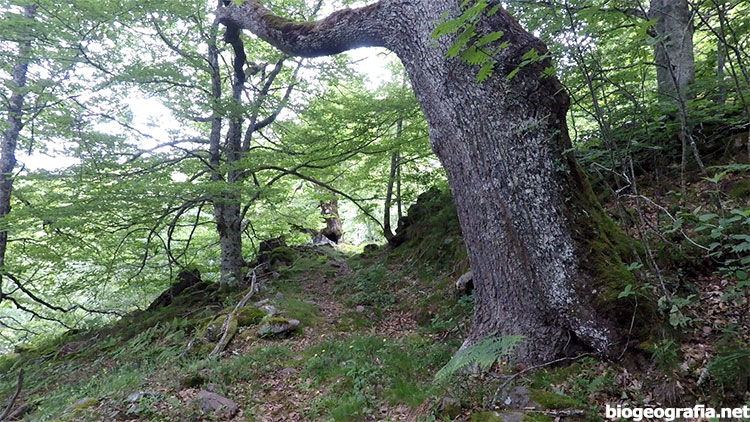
x=284, y=396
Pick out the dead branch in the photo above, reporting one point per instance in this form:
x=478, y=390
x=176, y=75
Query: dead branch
x=222, y=344
x=14, y=397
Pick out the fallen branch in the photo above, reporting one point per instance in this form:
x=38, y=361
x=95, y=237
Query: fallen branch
x=222, y=344
x=14, y=397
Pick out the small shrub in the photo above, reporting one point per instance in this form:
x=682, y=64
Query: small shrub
x=730, y=371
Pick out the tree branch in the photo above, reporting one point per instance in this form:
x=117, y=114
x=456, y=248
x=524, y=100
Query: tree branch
x=14, y=397
x=341, y=31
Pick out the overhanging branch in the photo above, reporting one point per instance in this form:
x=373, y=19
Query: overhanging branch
x=341, y=31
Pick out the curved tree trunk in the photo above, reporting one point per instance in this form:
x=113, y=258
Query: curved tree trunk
x=544, y=254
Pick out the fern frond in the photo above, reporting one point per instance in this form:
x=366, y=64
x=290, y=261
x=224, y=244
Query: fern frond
x=481, y=355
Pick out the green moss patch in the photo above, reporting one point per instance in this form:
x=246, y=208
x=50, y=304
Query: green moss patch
x=306, y=313
x=283, y=255
x=553, y=401
x=249, y=315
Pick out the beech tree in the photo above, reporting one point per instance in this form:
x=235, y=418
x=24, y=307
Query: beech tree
x=12, y=131
x=546, y=259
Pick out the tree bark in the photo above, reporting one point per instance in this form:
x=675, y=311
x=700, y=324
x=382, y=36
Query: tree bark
x=387, y=230
x=721, y=56
x=12, y=133
x=674, y=47
x=546, y=258
x=334, y=230
x=226, y=204
x=394, y=173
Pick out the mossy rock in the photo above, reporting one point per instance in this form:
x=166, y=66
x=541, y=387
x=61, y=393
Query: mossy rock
x=211, y=329
x=249, y=315
x=740, y=190
x=278, y=327
x=192, y=381
x=282, y=255
x=553, y=401
x=546, y=377
x=202, y=349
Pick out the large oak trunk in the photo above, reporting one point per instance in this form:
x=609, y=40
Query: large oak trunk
x=541, y=248
x=545, y=257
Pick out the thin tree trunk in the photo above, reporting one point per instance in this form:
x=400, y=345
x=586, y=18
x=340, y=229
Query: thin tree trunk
x=546, y=258
x=721, y=57
x=227, y=205
x=399, y=201
x=387, y=231
x=11, y=134
x=395, y=165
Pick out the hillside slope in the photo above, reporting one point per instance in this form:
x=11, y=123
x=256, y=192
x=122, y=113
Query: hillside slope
x=345, y=336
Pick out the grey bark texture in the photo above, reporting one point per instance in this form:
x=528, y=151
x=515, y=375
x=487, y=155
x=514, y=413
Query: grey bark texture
x=13, y=131
x=243, y=123
x=226, y=204
x=387, y=230
x=674, y=47
x=526, y=210
x=334, y=230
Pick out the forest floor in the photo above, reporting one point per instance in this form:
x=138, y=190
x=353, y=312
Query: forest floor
x=375, y=328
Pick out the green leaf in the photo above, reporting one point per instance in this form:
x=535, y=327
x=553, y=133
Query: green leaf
x=485, y=71
x=460, y=43
x=481, y=356
x=707, y=217
x=491, y=37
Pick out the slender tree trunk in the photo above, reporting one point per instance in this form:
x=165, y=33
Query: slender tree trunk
x=11, y=134
x=721, y=57
x=227, y=210
x=673, y=51
x=399, y=201
x=546, y=258
x=387, y=230
x=226, y=203
x=395, y=165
